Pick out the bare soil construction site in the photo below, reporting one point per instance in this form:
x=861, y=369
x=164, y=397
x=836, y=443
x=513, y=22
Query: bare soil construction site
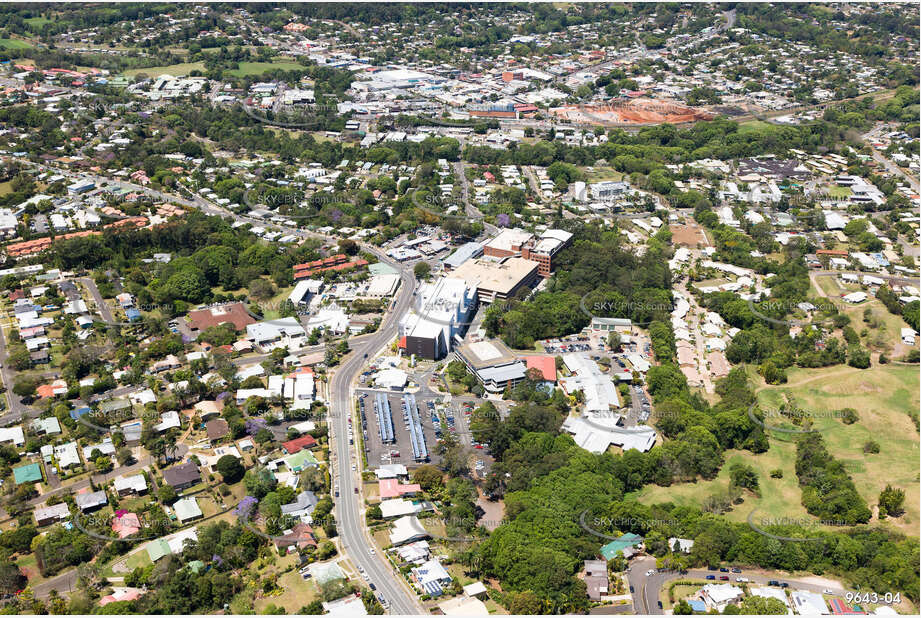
x=633, y=112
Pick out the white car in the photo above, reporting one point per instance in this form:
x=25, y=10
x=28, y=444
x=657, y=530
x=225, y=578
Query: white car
x=827, y=591
x=650, y=572
x=371, y=550
x=742, y=579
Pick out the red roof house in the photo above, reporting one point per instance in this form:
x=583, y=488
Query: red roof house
x=293, y=446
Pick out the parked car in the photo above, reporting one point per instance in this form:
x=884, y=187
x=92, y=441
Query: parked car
x=711, y=576
x=773, y=582
x=736, y=570
x=724, y=569
x=724, y=578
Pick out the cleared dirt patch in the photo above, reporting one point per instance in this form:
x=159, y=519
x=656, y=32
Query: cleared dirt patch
x=688, y=235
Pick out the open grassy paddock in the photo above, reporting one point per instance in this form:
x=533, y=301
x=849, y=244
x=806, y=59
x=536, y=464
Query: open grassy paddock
x=883, y=396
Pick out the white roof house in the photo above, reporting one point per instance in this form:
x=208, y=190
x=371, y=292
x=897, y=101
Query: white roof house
x=106, y=447
x=346, y=606
x=718, y=596
x=135, y=483
x=12, y=434
x=407, y=529
x=809, y=603
x=168, y=420
x=399, y=508
x=67, y=454
x=855, y=297
x=270, y=334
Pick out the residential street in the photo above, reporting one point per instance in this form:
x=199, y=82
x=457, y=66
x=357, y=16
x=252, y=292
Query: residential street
x=647, y=589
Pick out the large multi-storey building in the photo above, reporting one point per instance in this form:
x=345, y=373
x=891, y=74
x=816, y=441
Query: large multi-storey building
x=519, y=243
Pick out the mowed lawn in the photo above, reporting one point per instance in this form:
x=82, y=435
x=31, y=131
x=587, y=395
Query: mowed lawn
x=258, y=68
x=779, y=497
x=173, y=69
x=14, y=44
x=883, y=397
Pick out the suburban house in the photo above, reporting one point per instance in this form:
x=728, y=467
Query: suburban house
x=187, y=509
x=126, y=485
x=182, y=476
x=217, y=429
x=293, y=446
x=47, y=515
x=596, y=578
x=90, y=501
x=718, y=596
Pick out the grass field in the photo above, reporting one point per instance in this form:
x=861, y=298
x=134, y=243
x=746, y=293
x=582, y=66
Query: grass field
x=883, y=396
x=753, y=125
x=839, y=192
x=14, y=44
x=599, y=174
x=830, y=286
x=297, y=593
x=779, y=497
x=173, y=69
x=258, y=68
x=37, y=22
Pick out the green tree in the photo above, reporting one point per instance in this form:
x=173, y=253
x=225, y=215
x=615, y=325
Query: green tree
x=422, y=270
x=230, y=468
x=891, y=502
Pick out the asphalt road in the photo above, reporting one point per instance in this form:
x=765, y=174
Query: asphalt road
x=349, y=514
x=101, y=305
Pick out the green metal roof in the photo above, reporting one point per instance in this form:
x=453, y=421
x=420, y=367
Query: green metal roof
x=29, y=473
x=627, y=540
x=157, y=549
x=300, y=460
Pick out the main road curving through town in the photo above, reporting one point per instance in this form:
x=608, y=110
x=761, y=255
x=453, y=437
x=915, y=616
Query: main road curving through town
x=349, y=516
